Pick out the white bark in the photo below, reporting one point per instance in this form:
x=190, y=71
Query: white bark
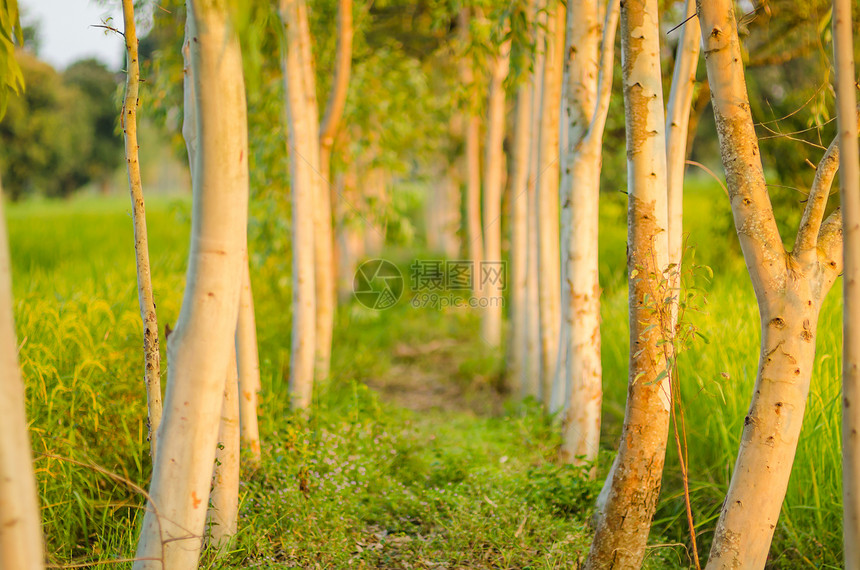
x=632, y=492
x=200, y=347
x=790, y=288
x=249, y=371
x=549, y=270
x=589, y=76
x=677, y=123
x=302, y=127
x=494, y=165
x=146, y=299
x=849, y=182
x=20, y=526
x=519, y=204
x=224, y=510
x=531, y=384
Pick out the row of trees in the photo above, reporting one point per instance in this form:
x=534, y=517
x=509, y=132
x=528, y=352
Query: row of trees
x=553, y=57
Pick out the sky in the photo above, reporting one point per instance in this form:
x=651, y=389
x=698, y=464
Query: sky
x=66, y=33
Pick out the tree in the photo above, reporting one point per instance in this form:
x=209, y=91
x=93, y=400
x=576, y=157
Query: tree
x=494, y=166
x=302, y=127
x=96, y=86
x=200, y=347
x=633, y=485
x=588, y=73
x=789, y=287
x=146, y=299
x=849, y=184
x=547, y=177
x=249, y=371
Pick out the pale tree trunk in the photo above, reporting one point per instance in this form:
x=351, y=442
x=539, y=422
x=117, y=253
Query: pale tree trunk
x=325, y=276
x=677, y=123
x=20, y=527
x=849, y=182
x=549, y=260
x=589, y=76
x=790, y=288
x=491, y=283
x=151, y=356
x=200, y=348
x=323, y=243
x=249, y=371
x=302, y=128
x=531, y=383
x=633, y=485
x=518, y=192
x=474, y=236
x=224, y=510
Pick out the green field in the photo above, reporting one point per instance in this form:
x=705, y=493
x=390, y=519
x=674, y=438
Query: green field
x=415, y=455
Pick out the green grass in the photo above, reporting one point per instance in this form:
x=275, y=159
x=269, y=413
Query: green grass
x=414, y=456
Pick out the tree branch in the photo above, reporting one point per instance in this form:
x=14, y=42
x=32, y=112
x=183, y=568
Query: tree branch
x=604, y=77
x=342, y=67
x=753, y=214
x=830, y=241
x=816, y=203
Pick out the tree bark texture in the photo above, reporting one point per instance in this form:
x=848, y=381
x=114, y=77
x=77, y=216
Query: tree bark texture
x=634, y=484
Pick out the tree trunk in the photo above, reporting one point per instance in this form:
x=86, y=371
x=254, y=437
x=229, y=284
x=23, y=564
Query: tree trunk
x=249, y=371
x=151, y=356
x=849, y=182
x=589, y=75
x=677, y=123
x=325, y=276
x=549, y=271
x=518, y=192
x=21, y=545
x=634, y=483
x=789, y=288
x=302, y=127
x=494, y=166
x=531, y=381
x=224, y=509
x=472, y=163
x=199, y=348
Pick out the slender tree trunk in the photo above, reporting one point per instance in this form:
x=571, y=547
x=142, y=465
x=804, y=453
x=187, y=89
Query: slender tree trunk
x=146, y=299
x=532, y=370
x=474, y=235
x=494, y=166
x=21, y=545
x=677, y=123
x=549, y=271
x=323, y=242
x=375, y=191
x=634, y=484
x=790, y=288
x=849, y=182
x=249, y=371
x=224, y=510
x=518, y=192
x=325, y=283
x=302, y=127
x=200, y=347
x=590, y=67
